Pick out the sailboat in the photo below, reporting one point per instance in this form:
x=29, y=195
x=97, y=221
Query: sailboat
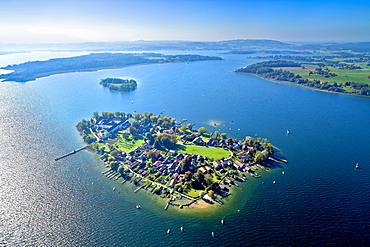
x=357, y=166
x=213, y=234
x=222, y=222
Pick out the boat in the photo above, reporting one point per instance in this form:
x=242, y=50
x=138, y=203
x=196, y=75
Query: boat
x=357, y=166
x=168, y=231
x=274, y=182
x=222, y=222
x=213, y=234
x=287, y=132
x=138, y=207
x=282, y=172
x=182, y=229
x=114, y=188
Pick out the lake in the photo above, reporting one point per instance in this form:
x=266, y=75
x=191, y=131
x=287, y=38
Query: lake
x=320, y=200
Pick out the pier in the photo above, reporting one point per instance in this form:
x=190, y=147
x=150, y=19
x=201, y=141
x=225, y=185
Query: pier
x=70, y=153
x=278, y=159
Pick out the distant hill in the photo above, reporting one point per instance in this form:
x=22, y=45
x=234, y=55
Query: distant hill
x=154, y=45
x=141, y=45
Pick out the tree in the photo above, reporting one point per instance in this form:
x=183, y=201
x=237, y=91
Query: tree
x=132, y=130
x=151, y=155
x=261, y=156
x=188, y=176
x=101, y=149
x=107, y=114
x=95, y=115
x=211, y=193
x=165, y=141
x=223, y=136
x=202, y=130
x=138, y=116
x=216, y=134
x=208, y=180
x=199, y=176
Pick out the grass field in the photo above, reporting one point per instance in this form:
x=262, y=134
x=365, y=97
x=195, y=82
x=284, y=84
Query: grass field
x=358, y=75
x=128, y=145
x=343, y=75
x=210, y=152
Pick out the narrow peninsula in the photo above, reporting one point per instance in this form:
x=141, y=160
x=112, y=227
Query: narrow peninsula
x=95, y=61
x=173, y=160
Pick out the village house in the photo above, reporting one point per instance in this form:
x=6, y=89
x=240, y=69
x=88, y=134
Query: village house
x=238, y=165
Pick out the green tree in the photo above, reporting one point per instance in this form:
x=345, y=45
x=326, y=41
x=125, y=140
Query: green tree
x=132, y=130
x=165, y=141
x=188, y=176
x=208, y=180
x=223, y=136
x=261, y=156
x=216, y=134
x=95, y=115
x=201, y=194
x=198, y=176
x=211, y=193
x=202, y=130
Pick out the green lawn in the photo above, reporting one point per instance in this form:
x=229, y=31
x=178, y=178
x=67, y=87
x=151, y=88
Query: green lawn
x=193, y=193
x=210, y=152
x=343, y=76
x=128, y=146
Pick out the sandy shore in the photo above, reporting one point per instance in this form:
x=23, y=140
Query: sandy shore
x=200, y=204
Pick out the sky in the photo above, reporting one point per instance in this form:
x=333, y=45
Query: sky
x=71, y=21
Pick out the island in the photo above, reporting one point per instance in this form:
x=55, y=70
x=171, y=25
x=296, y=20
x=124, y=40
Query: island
x=173, y=160
x=95, y=61
x=120, y=85
x=344, y=72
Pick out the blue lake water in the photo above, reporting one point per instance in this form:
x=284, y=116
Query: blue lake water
x=320, y=200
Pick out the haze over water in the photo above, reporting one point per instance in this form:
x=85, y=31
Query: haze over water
x=320, y=200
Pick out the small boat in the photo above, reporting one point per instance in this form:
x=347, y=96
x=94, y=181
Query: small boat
x=114, y=188
x=357, y=166
x=182, y=229
x=274, y=182
x=282, y=172
x=138, y=206
x=287, y=132
x=222, y=222
x=263, y=182
x=168, y=231
x=213, y=234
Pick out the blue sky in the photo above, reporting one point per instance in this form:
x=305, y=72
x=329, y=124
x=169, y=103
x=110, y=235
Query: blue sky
x=47, y=21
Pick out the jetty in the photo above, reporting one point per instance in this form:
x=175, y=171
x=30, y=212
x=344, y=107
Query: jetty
x=70, y=153
x=277, y=159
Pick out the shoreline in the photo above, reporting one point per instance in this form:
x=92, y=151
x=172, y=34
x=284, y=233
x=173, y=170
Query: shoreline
x=291, y=83
x=46, y=74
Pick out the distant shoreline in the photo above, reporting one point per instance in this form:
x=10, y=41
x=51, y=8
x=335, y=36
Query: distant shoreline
x=299, y=85
x=92, y=62
x=46, y=74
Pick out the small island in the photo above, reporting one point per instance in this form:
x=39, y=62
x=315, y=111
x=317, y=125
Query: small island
x=173, y=160
x=120, y=85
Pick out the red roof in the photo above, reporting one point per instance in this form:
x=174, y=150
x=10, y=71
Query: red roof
x=157, y=163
